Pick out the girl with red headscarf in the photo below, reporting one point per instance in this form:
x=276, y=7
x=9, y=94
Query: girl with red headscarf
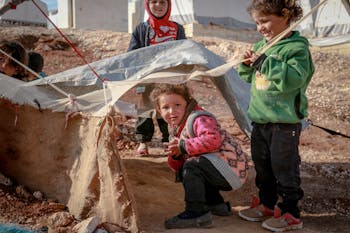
x=157, y=29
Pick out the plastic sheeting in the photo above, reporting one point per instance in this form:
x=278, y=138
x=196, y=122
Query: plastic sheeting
x=331, y=20
x=150, y=64
x=76, y=161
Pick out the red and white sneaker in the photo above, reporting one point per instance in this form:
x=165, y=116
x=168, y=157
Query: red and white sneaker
x=256, y=212
x=285, y=222
x=142, y=150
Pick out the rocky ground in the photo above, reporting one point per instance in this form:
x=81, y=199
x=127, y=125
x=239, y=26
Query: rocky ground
x=325, y=157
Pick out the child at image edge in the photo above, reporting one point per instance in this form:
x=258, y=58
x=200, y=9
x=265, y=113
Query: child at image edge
x=9, y=66
x=158, y=29
x=208, y=158
x=279, y=79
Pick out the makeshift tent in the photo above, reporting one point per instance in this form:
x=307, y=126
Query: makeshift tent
x=228, y=13
x=64, y=145
x=89, y=14
x=328, y=25
x=22, y=12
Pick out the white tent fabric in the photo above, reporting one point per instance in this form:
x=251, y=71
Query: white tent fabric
x=25, y=13
x=228, y=13
x=332, y=20
x=76, y=161
x=329, y=25
x=159, y=63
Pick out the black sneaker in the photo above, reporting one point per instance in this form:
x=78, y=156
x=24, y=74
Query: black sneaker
x=182, y=221
x=222, y=209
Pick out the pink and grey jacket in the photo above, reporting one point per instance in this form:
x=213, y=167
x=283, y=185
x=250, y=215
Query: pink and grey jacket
x=201, y=135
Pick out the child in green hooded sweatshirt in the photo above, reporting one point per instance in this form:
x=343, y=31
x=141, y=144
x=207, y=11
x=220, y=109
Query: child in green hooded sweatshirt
x=278, y=103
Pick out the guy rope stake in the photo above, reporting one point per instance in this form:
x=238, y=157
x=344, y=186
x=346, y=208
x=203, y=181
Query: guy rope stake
x=221, y=70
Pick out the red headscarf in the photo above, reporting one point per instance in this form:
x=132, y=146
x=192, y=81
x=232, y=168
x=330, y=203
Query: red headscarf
x=162, y=29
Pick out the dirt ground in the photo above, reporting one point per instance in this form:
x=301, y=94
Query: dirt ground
x=325, y=157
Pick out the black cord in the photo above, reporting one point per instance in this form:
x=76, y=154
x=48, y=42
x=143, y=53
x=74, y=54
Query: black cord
x=330, y=131
x=37, y=103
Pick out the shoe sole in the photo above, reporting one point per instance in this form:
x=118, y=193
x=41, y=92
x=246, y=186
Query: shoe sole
x=251, y=219
x=221, y=214
x=208, y=224
x=204, y=221
x=288, y=228
x=222, y=210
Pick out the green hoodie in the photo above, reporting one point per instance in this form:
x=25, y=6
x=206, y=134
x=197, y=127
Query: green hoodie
x=278, y=92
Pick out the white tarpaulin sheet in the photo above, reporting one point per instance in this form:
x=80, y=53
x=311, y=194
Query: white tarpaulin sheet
x=329, y=25
x=73, y=157
x=124, y=72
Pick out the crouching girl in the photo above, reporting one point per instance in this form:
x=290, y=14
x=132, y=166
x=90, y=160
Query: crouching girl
x=208, y=158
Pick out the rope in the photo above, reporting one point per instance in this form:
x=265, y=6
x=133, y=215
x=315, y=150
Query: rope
x=104, y=85
x=79, y=54
x=107, y=119
x=330, y=131
x=71, y=97
x=289, y=29
x=221, y=70
x=30, y=70
x=69, y=42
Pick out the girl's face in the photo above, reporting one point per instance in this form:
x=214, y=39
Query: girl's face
x=158, y=8
x=269, y=25
x=172, y=108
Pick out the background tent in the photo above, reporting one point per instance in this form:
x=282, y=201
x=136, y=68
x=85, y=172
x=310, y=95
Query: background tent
x=328, y=25
x=24, y=14
x=90, y=14
x=227, y=13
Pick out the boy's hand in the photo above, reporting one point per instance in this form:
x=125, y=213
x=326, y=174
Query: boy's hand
x=172, y=148
x=259, y=60
x=248, y=57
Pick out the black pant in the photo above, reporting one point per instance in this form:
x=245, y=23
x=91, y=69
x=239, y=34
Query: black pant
x=144, y=124
x=145, y=129
x=275, y=153
x=202, y=183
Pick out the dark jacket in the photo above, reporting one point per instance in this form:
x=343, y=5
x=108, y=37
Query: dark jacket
x=139, y=37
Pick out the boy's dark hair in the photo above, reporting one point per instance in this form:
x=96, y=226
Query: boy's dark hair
x=178, y=89
x=289, y=8
x=36, y=61
x=15, y=50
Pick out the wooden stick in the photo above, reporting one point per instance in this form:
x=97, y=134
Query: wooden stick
x=221, y=70
x=289, y=29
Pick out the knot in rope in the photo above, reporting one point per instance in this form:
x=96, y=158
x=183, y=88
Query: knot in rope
x=12, y=6
x=72, y=104
x=72, y=98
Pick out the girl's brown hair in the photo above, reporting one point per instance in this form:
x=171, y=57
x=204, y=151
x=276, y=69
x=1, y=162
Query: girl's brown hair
x=287, y=8
x=168, y=89
x=15, y=50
